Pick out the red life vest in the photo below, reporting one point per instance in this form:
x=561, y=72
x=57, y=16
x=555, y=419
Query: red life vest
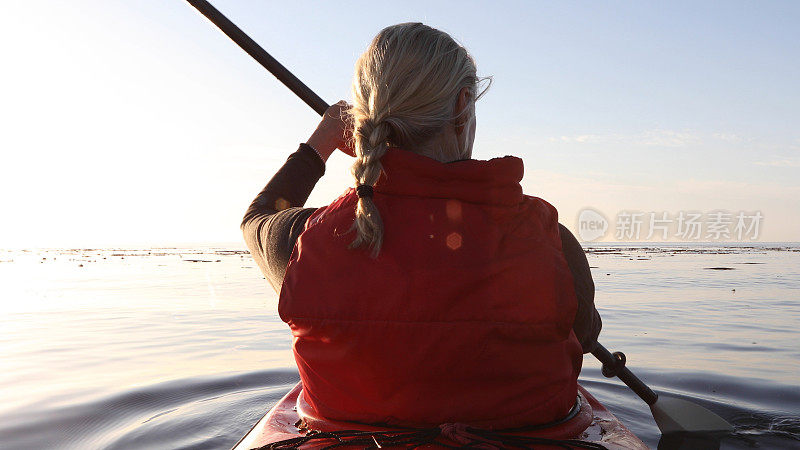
x=465, y=316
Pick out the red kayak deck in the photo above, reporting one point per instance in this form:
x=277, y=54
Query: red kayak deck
x=592, y=423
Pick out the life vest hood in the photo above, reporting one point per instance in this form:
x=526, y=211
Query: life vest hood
x=465, y=316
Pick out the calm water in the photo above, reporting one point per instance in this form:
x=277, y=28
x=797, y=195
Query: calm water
x=183, y=348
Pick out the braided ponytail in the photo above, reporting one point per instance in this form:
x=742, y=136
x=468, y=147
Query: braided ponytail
x=371, y=143
x=404, y=92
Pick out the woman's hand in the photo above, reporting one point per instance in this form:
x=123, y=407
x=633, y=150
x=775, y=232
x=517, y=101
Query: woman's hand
x=335, y=130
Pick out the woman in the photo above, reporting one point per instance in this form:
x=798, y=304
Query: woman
x=435, y=291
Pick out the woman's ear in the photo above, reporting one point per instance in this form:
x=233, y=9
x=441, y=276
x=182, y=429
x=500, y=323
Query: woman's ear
x=462, y=101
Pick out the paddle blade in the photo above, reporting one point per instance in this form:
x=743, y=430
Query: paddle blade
x=674, y=415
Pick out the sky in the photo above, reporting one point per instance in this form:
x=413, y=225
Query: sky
x=138, y=123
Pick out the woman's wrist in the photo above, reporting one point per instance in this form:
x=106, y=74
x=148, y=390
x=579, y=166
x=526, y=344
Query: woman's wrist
x=323, y=149
x=310, y=147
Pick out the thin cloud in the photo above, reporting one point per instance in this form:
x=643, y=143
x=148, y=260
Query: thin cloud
x=786, y=162
x=727, y=137
x=650, y=138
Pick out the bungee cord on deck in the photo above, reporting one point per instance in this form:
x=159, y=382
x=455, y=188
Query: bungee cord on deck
x=468, y=437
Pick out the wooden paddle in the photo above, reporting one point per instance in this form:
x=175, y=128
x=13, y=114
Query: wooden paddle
x=670, y=414
x=259, y=54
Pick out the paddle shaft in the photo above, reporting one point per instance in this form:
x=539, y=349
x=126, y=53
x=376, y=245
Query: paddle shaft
x=259, y=54
x=615, y=366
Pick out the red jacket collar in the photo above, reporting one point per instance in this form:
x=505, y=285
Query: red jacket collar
x=495, y=181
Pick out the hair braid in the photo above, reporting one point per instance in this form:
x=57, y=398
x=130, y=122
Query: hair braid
x=371, y=143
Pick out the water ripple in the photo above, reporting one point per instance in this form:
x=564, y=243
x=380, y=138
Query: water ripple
x=151, y=414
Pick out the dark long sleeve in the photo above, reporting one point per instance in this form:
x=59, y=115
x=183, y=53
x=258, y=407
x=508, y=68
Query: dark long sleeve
x=276, y=218
x=587, y=320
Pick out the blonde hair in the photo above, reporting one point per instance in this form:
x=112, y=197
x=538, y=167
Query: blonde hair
x=404, y=93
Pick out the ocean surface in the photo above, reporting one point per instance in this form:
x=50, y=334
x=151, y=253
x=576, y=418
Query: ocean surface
x=183, y=348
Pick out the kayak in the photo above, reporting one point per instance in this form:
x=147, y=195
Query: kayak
x=291, y=423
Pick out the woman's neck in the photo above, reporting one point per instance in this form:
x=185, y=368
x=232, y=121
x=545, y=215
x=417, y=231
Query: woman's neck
x=444, y=147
